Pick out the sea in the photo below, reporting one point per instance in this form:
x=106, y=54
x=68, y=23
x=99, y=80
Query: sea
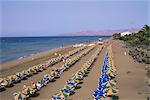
x=13, y=48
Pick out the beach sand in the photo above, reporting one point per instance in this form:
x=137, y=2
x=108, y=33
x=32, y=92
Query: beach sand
x=130, y=76
x=17, y=87
x=19, y=65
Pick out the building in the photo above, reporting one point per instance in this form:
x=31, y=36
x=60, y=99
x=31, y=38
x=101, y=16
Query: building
x=125, y=33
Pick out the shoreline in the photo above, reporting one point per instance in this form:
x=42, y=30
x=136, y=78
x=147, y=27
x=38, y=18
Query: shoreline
x=11, y=54
x=15, y=62
x=35, y=56
x=130, y=75
x=11, y=67
x=29, y=55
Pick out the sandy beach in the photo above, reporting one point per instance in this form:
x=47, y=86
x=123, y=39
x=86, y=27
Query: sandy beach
x=75, y=50
x=19, y=65
x=130, y=74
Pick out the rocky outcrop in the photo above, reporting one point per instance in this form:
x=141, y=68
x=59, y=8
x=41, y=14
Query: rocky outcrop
x=139, y=54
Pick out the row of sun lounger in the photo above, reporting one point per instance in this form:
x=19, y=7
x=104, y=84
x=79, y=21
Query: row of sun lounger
x=29, y=91
x=76, y=78
x=12, y=79
x=106, y=83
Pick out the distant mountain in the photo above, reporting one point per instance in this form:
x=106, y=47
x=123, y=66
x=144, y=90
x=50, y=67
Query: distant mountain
x=100, y=32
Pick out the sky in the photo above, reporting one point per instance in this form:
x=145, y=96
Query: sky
x=56, y=17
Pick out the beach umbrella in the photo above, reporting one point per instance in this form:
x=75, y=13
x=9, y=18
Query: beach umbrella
x=100, y=82
x=106, y=66
x=64, y=94
x=31, y=90
x=65, y=90
x=101, y=87
x=98, y=93
x=110, y=73
x=105, y=76
x=30, y=69
x=26, y=90
x=109, y=84
x=19, y=96
x=58, y=96
x=113, y=68
x=72, y=82
x=67, y=86
x=103, y=80
x=110, y=91
x=104, y=69
x=3, y=83
x=1, y=80
x=72, y=88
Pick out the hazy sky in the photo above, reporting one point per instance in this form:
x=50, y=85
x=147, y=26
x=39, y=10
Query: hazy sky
x=53, y=17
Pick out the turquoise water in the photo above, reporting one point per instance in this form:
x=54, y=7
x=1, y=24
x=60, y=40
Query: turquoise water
x=18, y=47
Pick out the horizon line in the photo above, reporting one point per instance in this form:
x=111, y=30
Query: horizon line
x=59, y=36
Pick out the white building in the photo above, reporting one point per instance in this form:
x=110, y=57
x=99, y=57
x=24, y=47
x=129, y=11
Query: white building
x=125, y=33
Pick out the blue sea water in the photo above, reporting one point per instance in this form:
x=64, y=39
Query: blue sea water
x=17, y=47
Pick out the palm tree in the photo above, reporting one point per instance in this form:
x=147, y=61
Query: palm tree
x=146, y=29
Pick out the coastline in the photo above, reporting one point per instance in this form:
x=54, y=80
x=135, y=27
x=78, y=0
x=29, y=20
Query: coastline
x=14, y=48
x=130, y=75
x=17, y=65
x=32, y=58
